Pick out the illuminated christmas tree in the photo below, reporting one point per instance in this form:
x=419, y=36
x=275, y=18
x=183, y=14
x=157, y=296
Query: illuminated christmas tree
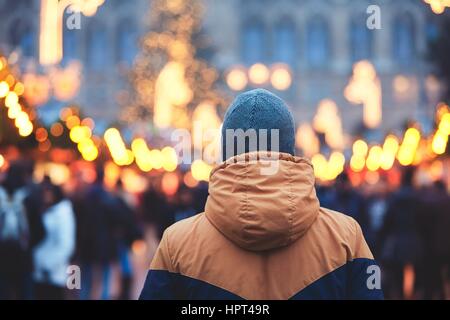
x=170, y=79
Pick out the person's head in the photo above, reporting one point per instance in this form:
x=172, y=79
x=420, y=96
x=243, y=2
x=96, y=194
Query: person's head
x=15, y=177
x=99, y=174
x=342, y=183
x=408, y=176
x=257, y=120
x=52, y=194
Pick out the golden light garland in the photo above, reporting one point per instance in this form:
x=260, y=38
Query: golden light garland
x=11, y=91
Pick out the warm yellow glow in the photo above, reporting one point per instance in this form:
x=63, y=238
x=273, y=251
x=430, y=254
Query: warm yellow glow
x=205, y=120
x=14, y=111
x=237, y=79
x=307, y=140
x=327, y=170
x=335, y=165
x=374, y=158
x=390, y=149
x=19, y=88
x=365, y=88
x=50, y=37
x=22, y=119
x=156, y=159
x=441, y=110
x=51, y=26
x=72, y=121
x=170, y=159
x=4, y=89
x=170, y=183
x=439, y=144
x=357, y=163
x=112, y=174
x=57, y=129
x=133, y=182
x=360, y=148
x=327, y=120
x=65, y=113
x=258, y=74
x=2, y=161
x=438, y=6
x=171, y=91
x=142, y=154
x=120, y=154
x=200, y=170
x=444, y=124
x=66, y=81
x=11, y=99
x=37, y=89
x=26, y=129
x=409, y=147
x=281, y=78
x=89, y=152
x=80, y=133
x=189, y=180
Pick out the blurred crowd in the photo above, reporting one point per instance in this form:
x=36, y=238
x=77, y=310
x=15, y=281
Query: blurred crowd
x=407, y=228
x=44, y=229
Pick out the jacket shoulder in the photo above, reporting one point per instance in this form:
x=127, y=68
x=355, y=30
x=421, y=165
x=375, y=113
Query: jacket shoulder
x=345, y=230
x=180, y=232
x=339, y=220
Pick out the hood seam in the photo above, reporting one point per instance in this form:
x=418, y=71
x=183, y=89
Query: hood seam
x=291, y=209
x=246, y=203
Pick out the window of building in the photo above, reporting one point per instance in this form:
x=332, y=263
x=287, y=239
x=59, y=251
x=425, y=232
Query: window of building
x=127, y=42
x=404, y=49
x=360, y=40
x=97, y=47
x=318, y=43
x=285, y=42
x=253, y=42
x=23, y=36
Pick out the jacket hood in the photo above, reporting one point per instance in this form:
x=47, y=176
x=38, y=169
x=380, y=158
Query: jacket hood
x=262, y=201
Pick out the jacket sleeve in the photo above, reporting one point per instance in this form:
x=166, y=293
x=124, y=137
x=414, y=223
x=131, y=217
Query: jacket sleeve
x=364, y=277
x=161, y=280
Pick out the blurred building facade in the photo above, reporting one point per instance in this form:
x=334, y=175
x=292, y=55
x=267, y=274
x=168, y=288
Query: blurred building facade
x=319, y=40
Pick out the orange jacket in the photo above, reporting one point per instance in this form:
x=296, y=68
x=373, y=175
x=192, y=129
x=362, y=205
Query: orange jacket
x=262, y=236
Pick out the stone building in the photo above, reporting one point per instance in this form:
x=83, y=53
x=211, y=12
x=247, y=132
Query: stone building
x=319, y=40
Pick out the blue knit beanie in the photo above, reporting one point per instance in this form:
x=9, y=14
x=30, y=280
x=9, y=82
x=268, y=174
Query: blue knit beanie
x=258, y=109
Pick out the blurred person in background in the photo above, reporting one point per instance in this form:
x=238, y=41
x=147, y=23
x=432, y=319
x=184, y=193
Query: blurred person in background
x=126, y=231
x=185, y=207
x=376, y=210
x=97, y=218
x=344, y=198
x=156, y=210
x=434, y=226
x=399, y=239
x=52, y=255
x=14, y=235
